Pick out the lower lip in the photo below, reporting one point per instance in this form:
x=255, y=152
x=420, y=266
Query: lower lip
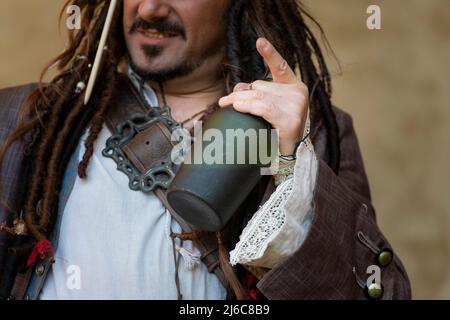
x=154, y=40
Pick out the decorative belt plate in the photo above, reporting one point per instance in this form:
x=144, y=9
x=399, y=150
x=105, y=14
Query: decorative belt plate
x=135, y=132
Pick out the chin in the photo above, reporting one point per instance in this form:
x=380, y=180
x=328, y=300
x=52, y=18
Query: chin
x=153, y=67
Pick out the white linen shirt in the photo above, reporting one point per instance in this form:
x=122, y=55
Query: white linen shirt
x=117, y=241
x=114, y=243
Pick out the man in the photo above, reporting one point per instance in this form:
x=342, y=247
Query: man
x=72, y=227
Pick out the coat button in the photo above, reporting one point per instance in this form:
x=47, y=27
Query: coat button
x=375, y=291
x=385, y=257
x=40, y=270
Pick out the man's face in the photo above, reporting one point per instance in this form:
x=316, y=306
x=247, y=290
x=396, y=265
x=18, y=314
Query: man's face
x=171, y=38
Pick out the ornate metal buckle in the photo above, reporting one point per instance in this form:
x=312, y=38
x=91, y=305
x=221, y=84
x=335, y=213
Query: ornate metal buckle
x=158, y=176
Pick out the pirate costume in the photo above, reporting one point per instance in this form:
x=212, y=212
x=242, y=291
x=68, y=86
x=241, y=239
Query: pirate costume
x=118, y=232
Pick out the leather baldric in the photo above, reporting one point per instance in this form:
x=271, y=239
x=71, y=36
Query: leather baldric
x=150, y=148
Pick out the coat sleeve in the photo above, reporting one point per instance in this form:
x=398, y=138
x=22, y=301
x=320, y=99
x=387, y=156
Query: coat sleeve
x=11, y=100
x=344, y=239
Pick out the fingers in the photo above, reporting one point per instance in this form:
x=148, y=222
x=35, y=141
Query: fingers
x=243, y=95
x=263, y=109
x=296, y=92
x=279, y=89
x=257, y=103
x=253, y=102
x=281, y=72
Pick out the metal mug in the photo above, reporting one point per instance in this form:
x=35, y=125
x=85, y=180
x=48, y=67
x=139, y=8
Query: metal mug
x=207, y=195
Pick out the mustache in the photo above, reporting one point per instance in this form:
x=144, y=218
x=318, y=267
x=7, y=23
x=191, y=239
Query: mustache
x=160, y=26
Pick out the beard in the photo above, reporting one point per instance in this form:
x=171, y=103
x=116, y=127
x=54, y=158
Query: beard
x=181, y=69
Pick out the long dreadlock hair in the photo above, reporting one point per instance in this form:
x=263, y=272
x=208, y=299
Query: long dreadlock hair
x=55, y=117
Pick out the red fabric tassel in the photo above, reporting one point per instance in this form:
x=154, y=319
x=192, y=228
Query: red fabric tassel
x=4, y=227
x=40, y=249
x=250, y=284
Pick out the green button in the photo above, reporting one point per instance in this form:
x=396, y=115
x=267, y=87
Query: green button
x=375, y=291
x=385, y=258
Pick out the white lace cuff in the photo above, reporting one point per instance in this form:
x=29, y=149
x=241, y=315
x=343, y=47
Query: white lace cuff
x=280, y=226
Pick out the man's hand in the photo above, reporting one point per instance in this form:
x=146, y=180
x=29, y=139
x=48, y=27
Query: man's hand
x=283, y=103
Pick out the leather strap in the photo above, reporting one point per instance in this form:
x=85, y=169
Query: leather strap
x=150, y=147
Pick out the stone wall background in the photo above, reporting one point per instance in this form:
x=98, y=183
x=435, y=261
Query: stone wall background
x=394, y=82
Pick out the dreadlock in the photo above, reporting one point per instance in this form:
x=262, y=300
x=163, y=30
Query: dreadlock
x=55, y=117
x=66, y=116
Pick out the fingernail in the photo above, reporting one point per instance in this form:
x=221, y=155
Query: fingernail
x=264, y=43
x=241, y=87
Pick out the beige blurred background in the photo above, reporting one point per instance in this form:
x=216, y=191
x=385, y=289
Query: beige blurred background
x=394, y=82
